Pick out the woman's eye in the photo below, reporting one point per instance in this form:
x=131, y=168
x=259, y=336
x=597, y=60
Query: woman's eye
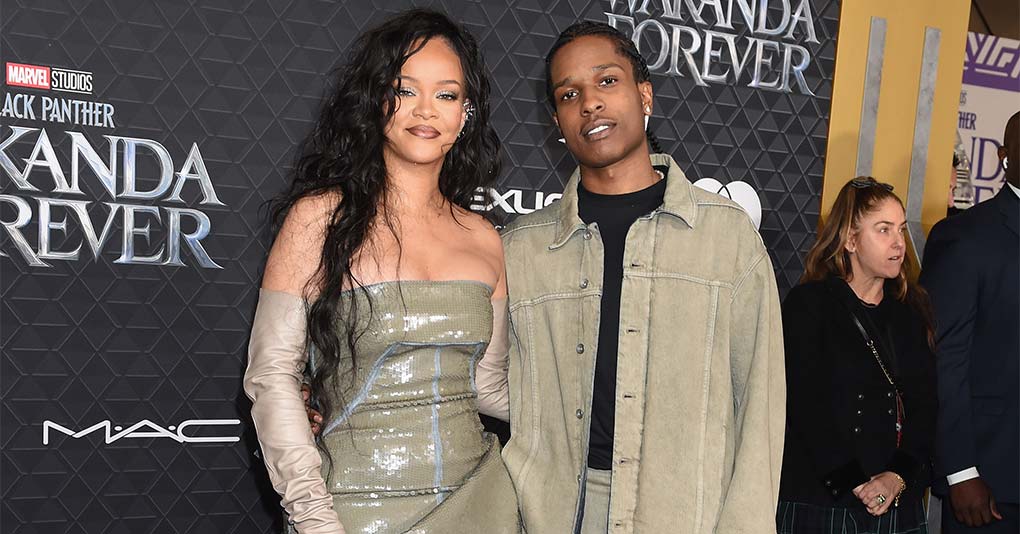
x=447, y=96
x=403, y=91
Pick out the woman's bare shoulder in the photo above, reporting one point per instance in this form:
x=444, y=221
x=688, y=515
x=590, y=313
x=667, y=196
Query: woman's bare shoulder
x=481, y=230
x=297, y=249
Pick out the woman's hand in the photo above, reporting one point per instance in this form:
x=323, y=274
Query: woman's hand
x=880, y=492
x=314, y=417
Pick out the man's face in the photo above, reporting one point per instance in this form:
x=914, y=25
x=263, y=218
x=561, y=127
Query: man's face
x=600, y=109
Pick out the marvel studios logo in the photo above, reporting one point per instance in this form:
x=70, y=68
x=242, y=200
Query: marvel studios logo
x=49, y=78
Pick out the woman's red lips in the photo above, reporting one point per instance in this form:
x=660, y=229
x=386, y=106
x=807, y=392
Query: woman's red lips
x=423, y=131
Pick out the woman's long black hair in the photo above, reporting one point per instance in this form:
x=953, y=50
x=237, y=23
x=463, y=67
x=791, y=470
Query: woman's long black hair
x=343, y=156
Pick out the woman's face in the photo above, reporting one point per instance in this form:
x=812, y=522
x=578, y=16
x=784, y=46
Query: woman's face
x=877, y=244
x=430, y=108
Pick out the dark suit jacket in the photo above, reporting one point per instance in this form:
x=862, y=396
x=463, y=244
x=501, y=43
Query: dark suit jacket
x=841, y=410
x=971, y=272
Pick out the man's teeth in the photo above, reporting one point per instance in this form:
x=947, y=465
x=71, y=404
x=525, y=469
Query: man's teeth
x=597, y=129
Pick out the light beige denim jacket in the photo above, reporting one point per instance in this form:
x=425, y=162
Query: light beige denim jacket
x=700, y=397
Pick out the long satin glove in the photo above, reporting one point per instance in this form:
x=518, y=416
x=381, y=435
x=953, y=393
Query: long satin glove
x=276, y=359
x=490, y=376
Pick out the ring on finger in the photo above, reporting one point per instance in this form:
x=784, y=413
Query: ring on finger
x=881, y=499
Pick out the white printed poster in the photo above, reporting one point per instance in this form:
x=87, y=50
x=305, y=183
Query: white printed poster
x=990, y=95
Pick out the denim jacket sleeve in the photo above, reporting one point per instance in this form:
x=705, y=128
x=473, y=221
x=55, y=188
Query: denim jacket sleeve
x=759, y=389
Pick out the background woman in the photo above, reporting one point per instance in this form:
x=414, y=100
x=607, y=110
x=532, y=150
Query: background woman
x=381, y=277
x=860, y=377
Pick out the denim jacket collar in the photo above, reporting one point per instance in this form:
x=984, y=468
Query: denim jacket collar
x=678, y=201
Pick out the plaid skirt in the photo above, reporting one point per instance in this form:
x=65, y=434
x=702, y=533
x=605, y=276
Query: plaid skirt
x=801, y=518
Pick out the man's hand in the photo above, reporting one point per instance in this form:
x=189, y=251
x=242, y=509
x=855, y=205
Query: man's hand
x=314, y=417
x=973, y=504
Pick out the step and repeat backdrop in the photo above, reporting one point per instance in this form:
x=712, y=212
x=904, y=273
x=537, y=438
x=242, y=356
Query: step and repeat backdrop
x=140, y=140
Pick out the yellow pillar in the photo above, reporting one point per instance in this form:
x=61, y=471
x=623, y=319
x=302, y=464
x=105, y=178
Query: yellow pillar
x=906, y=21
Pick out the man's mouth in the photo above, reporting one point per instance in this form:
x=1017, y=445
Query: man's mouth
x=598, y=129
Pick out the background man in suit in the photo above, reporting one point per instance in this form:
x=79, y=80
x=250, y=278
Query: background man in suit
x=971, y=271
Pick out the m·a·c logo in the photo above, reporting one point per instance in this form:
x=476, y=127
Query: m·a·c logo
x=181, y=433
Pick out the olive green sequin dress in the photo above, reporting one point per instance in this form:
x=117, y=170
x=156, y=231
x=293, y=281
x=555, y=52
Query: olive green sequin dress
x=408, y=450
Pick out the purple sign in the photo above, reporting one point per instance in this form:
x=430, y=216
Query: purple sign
x=992, y=62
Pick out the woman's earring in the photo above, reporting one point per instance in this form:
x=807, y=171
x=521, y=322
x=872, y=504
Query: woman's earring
x=1005, y=163
x=469, y=111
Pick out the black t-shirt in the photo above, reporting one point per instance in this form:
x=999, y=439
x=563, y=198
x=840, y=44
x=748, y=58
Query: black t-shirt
x=614, y=215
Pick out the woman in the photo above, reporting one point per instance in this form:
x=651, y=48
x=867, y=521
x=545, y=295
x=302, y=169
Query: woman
x=860, y=377
x=393, y=289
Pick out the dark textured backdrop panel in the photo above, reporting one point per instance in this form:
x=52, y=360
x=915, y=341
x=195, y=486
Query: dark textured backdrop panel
x=91, y=340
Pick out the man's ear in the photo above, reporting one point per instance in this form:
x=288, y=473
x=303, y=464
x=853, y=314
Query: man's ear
x=645, y=88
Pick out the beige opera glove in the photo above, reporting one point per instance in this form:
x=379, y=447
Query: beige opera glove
x=276, y=359
x=490, y=376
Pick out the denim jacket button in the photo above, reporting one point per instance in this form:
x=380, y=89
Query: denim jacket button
x=587, y=234
x=579, y=413
x=584, y=283
x=580, y=348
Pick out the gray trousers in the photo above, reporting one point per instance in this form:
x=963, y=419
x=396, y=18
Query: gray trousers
x=596, y=502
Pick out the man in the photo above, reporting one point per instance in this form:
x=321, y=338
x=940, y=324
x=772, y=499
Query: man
x=646, y=378
x=971, y=271
x=646, y=363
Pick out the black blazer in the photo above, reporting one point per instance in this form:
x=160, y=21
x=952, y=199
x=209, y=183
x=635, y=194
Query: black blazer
x=971, y=272
x=841, y=410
